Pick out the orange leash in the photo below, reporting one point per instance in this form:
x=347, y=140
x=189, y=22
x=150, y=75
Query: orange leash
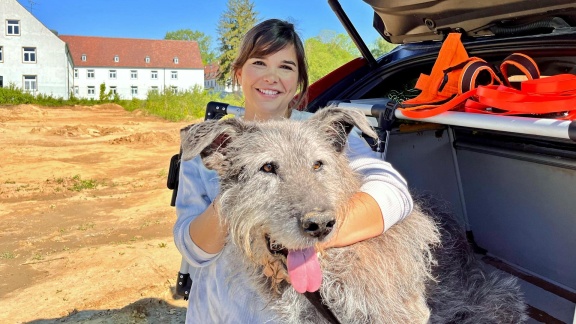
x=470, y=84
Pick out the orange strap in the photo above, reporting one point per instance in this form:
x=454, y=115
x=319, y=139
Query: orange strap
x=442, y=83
x=470, y=84
x=522, y=62
x=553, y=95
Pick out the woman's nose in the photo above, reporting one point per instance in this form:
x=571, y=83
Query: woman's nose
x=271, y=77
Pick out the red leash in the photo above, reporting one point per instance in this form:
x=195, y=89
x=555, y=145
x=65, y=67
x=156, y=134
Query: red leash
x=551, y=97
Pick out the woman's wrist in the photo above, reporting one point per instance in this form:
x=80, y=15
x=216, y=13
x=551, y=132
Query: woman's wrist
x=363, y=220
x=207, y=231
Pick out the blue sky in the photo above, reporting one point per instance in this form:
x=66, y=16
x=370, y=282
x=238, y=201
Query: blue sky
x=153, y=18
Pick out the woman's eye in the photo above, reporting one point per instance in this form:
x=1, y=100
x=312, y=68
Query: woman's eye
x=317, y=165
x=287, y=67
x=258, y=63
x=268, y=168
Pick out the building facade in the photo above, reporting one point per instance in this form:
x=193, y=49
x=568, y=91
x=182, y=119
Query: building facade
x=35, y=59
x=132, y=67
x=32, y=57
x=211, y=74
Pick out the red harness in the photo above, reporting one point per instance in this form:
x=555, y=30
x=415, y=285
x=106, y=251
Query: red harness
x=551, y=97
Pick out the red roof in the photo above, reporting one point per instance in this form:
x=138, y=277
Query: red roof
x=211, y=71
x=100, y=52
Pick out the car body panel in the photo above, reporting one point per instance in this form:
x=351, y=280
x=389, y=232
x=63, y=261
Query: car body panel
x=401, y=21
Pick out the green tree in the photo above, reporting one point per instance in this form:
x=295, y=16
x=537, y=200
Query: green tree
x=381, y=47
x=204, y=42
x=103, y=96
x=234, y=23
x=328, y=51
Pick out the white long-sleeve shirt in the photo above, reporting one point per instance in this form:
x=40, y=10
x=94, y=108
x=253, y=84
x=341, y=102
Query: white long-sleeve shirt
x=210, y=299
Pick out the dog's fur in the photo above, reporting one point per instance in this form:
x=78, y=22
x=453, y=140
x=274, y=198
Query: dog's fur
x=420, y=270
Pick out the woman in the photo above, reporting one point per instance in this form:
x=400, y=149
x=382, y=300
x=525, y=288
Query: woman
x=271, y=68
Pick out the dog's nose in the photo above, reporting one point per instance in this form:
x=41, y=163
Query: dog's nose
x=317, y=225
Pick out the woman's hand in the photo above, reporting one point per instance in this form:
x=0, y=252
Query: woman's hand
x=362, y=221
x=207, y=231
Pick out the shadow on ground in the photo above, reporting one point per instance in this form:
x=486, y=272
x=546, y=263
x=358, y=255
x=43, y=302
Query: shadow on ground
x=148, y=310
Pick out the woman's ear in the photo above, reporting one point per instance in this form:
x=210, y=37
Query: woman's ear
x=239, y=76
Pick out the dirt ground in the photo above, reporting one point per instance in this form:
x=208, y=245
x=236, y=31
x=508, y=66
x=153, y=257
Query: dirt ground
x=85, y=216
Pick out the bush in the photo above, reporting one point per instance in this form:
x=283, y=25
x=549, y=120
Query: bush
x=171, y=106
x=179, y=106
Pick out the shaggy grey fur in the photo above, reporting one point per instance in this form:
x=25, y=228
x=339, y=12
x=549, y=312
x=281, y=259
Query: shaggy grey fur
x=271, y=184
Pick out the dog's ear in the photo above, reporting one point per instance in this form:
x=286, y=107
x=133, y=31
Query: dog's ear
x=338, y=123
x=210, y=140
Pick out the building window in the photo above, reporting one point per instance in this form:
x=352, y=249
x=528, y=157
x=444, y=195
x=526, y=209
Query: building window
x=174, y=75
x=133, y=74
x=174, y=89
x=116, y=58
x=90, y=74
x=13, y=27
x=29, y=54
x=83, y=57
x=147, y=59
x=154, y=89
x=154, y=75
x=1, y=54
x=75, y=73
x=91, y=90
x=30, y=84
x=112, y=74
x=113, y=90
x=134, y=90
x=176, y=60
x=76, y=90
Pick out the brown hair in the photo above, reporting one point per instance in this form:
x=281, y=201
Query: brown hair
x=269, y=37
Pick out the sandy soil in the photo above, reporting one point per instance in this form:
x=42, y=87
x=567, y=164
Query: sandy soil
x=85, y=216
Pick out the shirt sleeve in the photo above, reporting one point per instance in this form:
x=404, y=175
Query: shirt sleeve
x=380, y=180
x=197, y=188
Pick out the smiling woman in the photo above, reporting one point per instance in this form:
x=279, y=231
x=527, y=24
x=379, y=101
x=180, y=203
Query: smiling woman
x=271, y=67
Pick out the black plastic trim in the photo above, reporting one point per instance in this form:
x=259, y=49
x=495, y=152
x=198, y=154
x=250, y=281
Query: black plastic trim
x=572, y=131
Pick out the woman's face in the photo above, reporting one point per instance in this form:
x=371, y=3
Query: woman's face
x=269, y=84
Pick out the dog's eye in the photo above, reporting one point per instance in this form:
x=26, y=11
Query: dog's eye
x=317, y=165
x=268, y=168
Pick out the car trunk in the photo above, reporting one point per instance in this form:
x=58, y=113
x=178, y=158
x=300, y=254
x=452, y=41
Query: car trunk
x=509, y=179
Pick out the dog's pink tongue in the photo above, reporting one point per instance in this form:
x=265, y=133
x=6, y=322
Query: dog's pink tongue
x=304, y=270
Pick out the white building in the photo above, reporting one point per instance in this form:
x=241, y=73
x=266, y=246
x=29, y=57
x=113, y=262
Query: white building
x=211, y=74
x=31, y=56
x=132, y=67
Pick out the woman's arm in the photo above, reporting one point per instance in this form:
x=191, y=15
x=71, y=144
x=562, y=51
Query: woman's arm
x=197, y=231
x=383, y=199
x=207, y=232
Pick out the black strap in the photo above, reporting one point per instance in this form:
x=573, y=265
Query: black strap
x=316, y=299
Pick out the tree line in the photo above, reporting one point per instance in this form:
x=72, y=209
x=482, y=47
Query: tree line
x=325, y=52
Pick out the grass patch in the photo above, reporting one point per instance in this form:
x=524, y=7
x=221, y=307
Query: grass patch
x=183, y=105
x=179, y=106
x=74, y=183
x=85, y=227
x=7, y=255
x=79, y=184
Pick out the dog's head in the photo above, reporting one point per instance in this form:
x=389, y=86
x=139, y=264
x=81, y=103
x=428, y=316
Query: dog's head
x=283, y=183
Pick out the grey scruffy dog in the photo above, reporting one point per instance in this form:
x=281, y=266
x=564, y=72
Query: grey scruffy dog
x=283, y=184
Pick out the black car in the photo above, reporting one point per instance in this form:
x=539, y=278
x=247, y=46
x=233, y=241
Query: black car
x=508, y=174
x=510, y=178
